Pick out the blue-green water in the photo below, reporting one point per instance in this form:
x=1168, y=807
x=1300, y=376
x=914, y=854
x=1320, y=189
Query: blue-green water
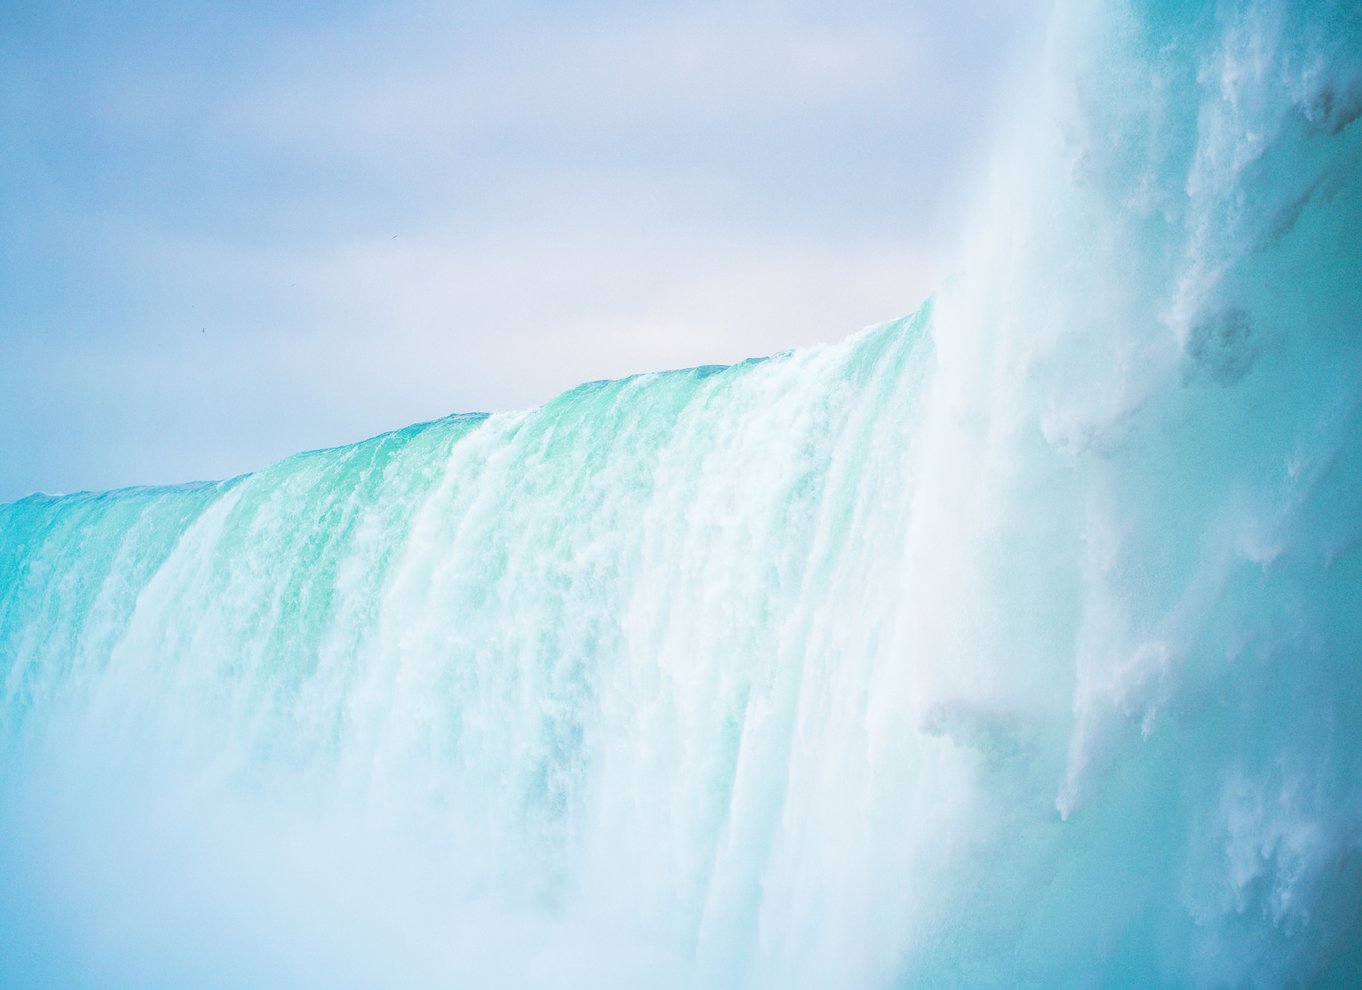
x=1017, y=643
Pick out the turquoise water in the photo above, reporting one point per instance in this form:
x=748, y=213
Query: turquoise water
x=1012, y=644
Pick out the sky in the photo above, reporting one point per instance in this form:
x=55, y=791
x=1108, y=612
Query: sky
x=236, y=231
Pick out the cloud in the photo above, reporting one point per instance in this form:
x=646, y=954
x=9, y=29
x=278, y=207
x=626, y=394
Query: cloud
x=284, y=231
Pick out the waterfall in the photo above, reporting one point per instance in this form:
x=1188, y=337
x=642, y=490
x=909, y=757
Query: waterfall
x=1015, y=643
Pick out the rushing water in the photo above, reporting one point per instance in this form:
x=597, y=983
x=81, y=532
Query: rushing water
x=1017, y=643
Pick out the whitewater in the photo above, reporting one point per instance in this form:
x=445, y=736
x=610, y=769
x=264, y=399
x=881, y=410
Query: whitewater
x=1015, y=643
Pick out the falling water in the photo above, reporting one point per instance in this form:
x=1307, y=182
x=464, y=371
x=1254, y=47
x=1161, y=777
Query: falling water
x=1017, y=643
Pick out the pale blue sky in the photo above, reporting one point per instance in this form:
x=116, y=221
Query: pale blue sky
x=234, y=232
